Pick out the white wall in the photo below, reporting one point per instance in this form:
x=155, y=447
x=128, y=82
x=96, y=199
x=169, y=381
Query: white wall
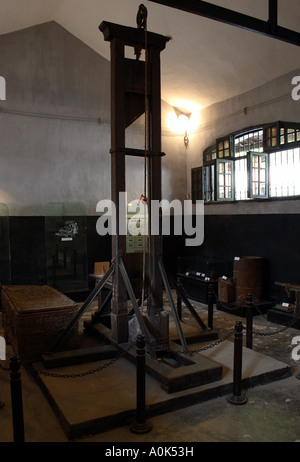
x=55, y=126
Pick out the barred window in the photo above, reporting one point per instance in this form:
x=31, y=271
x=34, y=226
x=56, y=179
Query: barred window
x=258, y=163
x=284, y=168
x=251, y=141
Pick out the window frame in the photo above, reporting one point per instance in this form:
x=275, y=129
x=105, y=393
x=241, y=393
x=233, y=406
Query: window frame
x=283, y=168
x=285, y=126
x=232, y=185
x=210, y=155
x=223, y=141
x=278, y=141
x=269, y=146
x=264, y=155
x=211, y=166
x=245, y=133
x=198, y=191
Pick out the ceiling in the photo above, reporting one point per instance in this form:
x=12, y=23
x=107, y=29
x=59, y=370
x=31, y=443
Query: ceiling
x=204, y=62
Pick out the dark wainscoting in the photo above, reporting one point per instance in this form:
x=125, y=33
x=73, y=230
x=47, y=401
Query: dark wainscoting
x=275, y=238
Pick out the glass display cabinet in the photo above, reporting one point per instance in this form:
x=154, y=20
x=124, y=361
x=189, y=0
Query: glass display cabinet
x=66, y=246
x=196, y=274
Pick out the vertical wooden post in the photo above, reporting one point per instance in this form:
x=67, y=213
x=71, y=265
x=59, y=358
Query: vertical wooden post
x=119, y=317
x=155, y=300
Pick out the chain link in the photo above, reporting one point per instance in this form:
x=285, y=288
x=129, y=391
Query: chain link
x=207, y=347
x=229, y=308
x=278, y=331
x=84, y=374
x=253, y=331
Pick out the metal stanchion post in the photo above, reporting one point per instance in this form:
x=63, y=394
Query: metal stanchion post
x=249, y=320
x=140, y=425
x=16, y=400
x=237, y=397
x=210, y=307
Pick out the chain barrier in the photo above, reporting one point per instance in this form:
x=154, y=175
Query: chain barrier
x=207, y=347
x=254, y=331
x=229, y=308
x=192, y=352
x=84, y=374
x=278, y=331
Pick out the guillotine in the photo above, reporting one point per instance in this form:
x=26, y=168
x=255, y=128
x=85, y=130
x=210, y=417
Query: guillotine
x=136, y=90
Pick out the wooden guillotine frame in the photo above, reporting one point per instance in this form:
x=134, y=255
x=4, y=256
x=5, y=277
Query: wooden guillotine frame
x=136, y=90
x=132, y=95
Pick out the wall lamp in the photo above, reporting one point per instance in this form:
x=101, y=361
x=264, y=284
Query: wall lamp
x=183, y=124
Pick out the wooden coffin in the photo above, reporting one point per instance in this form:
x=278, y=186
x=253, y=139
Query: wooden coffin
x=33, y=317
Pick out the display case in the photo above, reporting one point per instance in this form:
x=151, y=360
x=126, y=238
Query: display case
x=66, y=246
x=196, y=274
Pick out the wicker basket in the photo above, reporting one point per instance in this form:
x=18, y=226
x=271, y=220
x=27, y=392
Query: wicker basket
x=33, y=317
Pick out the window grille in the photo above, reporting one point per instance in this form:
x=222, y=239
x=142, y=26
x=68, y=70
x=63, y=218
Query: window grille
x=284, y=173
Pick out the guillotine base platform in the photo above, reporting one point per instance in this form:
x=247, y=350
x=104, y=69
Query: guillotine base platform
x=174, y=370
x=106, y=400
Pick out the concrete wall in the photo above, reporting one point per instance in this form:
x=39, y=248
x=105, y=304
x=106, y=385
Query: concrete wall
x=267, y=103
x=55, y=126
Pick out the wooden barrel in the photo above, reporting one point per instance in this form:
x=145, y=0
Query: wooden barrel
x=247, y=275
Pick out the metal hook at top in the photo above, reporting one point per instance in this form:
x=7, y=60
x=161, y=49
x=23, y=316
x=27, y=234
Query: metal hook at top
x=141, y=18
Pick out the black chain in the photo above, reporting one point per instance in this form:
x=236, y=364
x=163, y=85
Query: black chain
x=278, y=331
x=207, y=347
x=229, y=308
x=256, y=332
x=83, y=374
